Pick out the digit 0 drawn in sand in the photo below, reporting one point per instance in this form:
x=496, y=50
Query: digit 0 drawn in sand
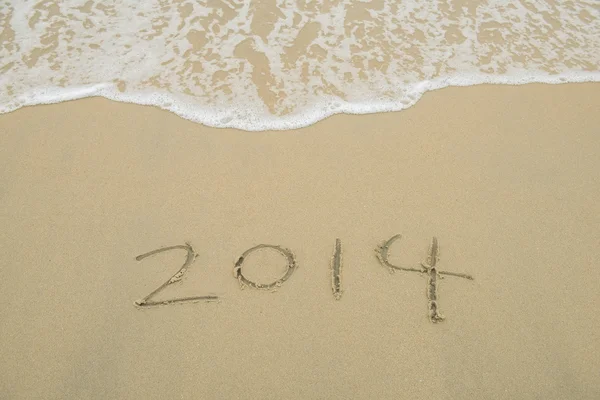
x=191, y=256
x=291, y=267
x=429, y=268
x=336, y=270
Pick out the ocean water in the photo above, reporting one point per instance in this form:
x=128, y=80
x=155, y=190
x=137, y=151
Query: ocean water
x=283, y=64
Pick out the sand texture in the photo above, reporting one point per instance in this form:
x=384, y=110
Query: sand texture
x=505, y=178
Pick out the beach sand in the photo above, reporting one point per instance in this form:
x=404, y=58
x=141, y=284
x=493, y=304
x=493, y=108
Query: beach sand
x=505, y=177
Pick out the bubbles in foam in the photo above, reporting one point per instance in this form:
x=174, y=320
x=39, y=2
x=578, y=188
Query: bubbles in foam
x=282, y=64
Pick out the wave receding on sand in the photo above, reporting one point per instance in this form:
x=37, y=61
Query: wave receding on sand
x=283, y=64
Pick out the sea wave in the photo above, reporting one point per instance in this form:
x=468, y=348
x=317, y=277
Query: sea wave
x=283, y=64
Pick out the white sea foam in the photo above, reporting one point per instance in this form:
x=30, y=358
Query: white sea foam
x=282, y=64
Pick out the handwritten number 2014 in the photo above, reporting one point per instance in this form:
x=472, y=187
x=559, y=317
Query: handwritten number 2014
x=428, y=268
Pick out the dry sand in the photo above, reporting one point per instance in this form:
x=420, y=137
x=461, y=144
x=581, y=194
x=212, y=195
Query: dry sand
x=507, y=178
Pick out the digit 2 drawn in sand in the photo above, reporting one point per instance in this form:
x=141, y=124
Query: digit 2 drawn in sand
x=291, y=267
x=429, y=268
x=191, y=256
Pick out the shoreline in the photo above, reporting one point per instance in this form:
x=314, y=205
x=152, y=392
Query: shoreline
x=176, y=104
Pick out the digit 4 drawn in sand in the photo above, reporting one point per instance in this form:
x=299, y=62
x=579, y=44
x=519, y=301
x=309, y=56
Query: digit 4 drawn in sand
x=429, y=267
x=191, y=256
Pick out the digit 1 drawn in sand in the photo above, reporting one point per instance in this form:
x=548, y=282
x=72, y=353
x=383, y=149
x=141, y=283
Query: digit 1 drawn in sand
x=191, y=256
x=291, y=267
x=429, y=267
x=336, y=270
